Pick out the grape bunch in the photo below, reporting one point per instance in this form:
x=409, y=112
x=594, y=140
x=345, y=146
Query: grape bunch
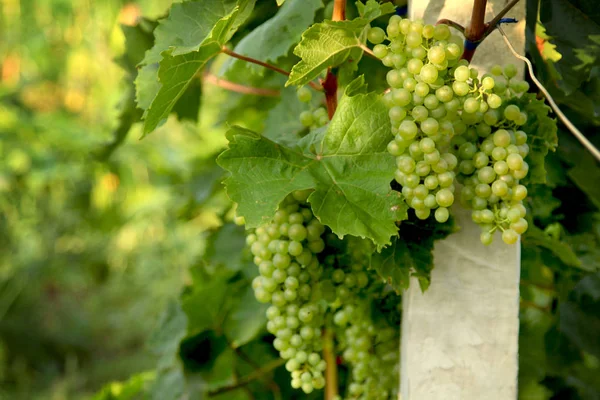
x=285, y=252
x=424, y=110
x=492, y=163
x=368, y=347
x=313, y=118
x=449, y=123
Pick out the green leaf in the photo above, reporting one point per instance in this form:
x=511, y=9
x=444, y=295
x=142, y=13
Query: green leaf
x=586, y=176
x=350, y=171
x=193, y=24
x=224, y=247
x=170, y=384
x=204, y=306
x=372, y=9
x=128, y=390
x=193, y=33
x=411, y=253
x=263, y=173
x=283, y=125
x=247, y=319
x=324, y=45
x=275, y=38
x=171, y=329
x=575, y=31
x=541, y=136
x=537, y=237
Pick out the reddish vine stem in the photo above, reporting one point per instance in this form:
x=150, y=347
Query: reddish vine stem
x=330, y=83
x=236, y=87
x=233, y=54
x=476, y=29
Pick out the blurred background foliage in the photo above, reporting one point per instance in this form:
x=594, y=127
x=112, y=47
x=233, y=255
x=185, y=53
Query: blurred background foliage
x=117, y=258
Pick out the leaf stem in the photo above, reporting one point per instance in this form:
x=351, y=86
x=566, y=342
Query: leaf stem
x=238, y=88
x=256, y=374
x=331, y=372
x=368, y=51
x=272, y=67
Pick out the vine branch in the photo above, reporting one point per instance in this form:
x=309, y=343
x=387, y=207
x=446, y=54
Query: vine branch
x=272, y=67
x=256, y=374
x=238, y=88
x=490, y=26
x=331, y=372
x=476, y=29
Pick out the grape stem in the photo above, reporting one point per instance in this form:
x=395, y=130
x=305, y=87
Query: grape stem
x=242, y=382
x=453, y=24
x=233, y=54
x=331, y=372
x=236, y=87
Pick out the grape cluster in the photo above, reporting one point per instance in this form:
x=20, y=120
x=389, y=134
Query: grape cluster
x=492, y=163
x=370, y=348
x=424, y=109
x=449, y=123
x=314, y=118
x=285, y=252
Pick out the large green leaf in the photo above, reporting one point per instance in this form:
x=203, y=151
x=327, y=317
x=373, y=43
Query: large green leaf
x=537, y=237
x=193, y=33
x=274, y=38
x=348, y=167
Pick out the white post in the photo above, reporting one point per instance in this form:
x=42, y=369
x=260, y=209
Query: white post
x=460, y=338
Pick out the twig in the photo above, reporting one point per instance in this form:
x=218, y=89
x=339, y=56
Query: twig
x=580, y=136
x=232, y=53
x=236, y=87
x=490, y=26
x=331, y=372
x=453, y=24
x=256, y=374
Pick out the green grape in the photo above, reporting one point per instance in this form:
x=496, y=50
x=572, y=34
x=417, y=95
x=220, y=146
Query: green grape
x=376, y=35
x=304, y=94
x=306, y=118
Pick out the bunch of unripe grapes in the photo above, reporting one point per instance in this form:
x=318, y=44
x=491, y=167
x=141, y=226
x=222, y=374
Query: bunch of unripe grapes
x=424, y=110
x=315, y=117
x=285, y=252
x=493, y=162
x=295, y=255
x=369, y=348
x=449, y=121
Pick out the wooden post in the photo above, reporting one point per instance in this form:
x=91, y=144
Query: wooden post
x=460, y=338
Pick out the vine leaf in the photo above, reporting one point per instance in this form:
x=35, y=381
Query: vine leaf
x=542, y=136
x=411, y=253
x=347, y=166
x=275, y=37
x=193, y=33
x=331, y=43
